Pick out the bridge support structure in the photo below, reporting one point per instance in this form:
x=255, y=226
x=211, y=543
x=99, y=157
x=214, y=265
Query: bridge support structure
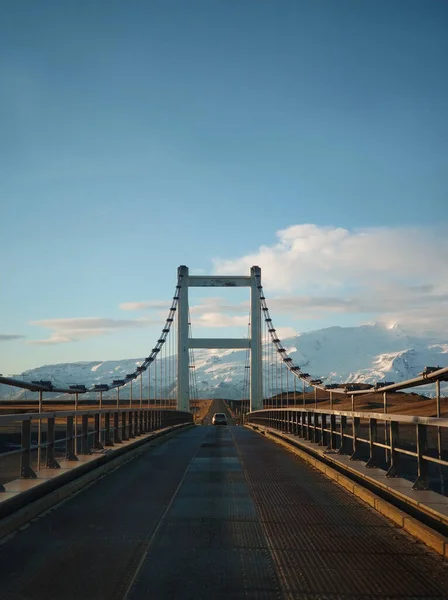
x=184, y=342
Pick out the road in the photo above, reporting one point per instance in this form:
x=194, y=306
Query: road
x=216, y=513
x=217, y=406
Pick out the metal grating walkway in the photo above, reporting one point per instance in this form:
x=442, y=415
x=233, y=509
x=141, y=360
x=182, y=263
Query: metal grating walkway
x=216, y=513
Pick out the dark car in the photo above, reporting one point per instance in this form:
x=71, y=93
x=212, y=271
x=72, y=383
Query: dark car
x=219, y=419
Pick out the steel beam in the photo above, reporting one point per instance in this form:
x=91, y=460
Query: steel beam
x=221, y=343
x=219, y=281
x=256, y=380
x=183, y=392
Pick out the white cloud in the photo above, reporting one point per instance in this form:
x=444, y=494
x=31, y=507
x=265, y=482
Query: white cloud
x=218, y=312
x=399, y=274
x=144, y=305
x=218, y=304
x=210, y=312
x=81, y=328
x=308, y=255
x=218, y=319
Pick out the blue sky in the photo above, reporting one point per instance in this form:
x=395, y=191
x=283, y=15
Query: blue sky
x=140, y=136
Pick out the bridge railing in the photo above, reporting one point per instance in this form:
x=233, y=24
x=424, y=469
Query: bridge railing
x=32, y=441
x=403, y=445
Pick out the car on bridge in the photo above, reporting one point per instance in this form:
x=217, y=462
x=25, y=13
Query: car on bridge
x=219, y=419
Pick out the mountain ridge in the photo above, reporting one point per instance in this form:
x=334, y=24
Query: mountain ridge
x=364, y=354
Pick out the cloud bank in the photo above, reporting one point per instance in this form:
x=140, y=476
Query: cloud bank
x=73, y=330
x=143, y=305
x=389, y=274
x=398, y=274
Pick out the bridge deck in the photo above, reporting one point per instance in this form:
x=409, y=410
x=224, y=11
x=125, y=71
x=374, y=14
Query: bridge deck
x=216, y=513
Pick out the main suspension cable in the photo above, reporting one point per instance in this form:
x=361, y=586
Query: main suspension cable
x=285, y=359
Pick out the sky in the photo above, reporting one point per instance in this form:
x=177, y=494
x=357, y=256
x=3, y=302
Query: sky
x=309, y=138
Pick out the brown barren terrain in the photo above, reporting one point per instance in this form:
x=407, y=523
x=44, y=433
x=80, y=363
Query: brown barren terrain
x=397, y=403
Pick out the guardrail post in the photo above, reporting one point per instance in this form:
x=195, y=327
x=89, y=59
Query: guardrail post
x=124, y=435
x=139, y=420
x=323, y=426
x=317, y=427
x=85, y=433
x=356, y=422
x=117, y=439
x=439, y=438
x=96, y=440
x=312, y=423
x=331, y=446
x=343, y=426
x=70, y=447
x=300, y=431
x=373, y=438
x=76, y=445
x=131, y=425
x=307, y=424
x=136, y=418
x=394, y=455
x=422, y=482
x=26, y=472
x=52, y=463
x=108, y=441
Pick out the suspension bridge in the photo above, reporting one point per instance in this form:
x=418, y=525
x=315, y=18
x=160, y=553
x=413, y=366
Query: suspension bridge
x=127, y=498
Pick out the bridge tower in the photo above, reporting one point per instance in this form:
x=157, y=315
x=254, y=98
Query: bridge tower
x=184, y=342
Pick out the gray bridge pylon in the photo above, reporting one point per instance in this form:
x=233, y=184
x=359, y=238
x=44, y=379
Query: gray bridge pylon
x=184, y=342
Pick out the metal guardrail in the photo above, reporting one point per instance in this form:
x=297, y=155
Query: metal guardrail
x=419, y=439
x=47, y=437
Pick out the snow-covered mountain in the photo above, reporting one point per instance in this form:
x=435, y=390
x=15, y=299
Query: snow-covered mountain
x=337, y=354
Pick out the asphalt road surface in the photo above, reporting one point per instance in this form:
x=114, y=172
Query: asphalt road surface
x=216, y=513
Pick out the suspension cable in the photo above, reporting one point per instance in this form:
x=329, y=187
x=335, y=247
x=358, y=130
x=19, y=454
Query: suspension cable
x=192, y=367
x=152, y=356
x=245, y=401
x=285, y=359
